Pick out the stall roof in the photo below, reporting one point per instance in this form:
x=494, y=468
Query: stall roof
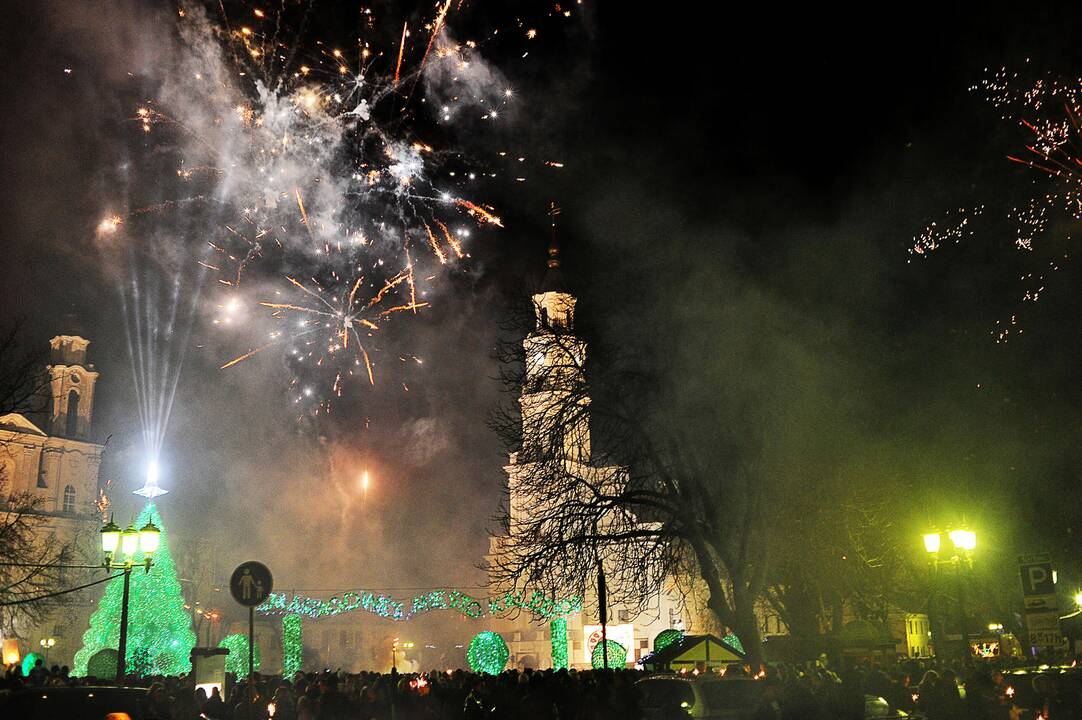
x=693, y=650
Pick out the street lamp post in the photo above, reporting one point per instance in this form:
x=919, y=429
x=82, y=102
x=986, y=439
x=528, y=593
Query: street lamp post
x=47, y=643
x=120, y=548
x=963, y=542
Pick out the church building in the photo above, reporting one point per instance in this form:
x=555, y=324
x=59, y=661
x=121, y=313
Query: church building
x=59, y=465
x=555, y=358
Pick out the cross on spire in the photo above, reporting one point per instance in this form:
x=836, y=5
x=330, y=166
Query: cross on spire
x=554, y=247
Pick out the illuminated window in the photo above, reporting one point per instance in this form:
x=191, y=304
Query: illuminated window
x=69, y=499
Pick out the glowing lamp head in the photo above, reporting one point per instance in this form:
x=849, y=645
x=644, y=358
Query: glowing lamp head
x=149, y=538
x=1078, y=599
x=932, y=542
x=110, y=538
x=129, y=541
x=963, y=539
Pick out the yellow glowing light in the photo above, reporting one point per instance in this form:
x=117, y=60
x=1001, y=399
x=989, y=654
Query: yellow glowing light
x=931, y=542
x=11, y=651
x=129, y=541
x=963, y=539
x=246, y=31
x=109, y=225
x=1078, y=599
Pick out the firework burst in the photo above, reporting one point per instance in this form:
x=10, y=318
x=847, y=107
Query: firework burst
x=1048, y=112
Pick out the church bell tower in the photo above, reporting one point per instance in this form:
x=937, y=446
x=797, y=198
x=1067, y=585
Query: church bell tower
x=555, y=415
x=71, y=387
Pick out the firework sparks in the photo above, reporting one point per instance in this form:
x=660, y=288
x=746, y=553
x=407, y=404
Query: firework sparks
x=481, y=214
x=311, y=158
x=1048, y=111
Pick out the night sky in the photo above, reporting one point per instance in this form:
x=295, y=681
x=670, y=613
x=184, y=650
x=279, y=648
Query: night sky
x=738, y=195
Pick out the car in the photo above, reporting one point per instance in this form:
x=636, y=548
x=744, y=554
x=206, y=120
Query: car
x=77, y=703
x=666, y=697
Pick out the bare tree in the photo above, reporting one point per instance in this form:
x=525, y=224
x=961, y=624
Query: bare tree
x=843, y=557
x=669, y=490
x=22, y=382
x=29, y=559
x=28, y=556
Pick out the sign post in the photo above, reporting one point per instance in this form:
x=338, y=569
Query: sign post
x=1039, y=596
x=250, y=585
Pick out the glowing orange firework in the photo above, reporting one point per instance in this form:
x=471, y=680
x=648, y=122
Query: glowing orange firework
x=451, y=240
x=342, y=319
x=401, y=48
x=437, y=25
x=481, y=214
x=323, y=137
x=435, y=245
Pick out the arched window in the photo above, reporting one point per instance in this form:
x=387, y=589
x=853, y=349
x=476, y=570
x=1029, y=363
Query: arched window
x=69, y=499
x=71, y=426
x=42, y=473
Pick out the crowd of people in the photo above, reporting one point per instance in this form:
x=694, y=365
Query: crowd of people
x=782, y=692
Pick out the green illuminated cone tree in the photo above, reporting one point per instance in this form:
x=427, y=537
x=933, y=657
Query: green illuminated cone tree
x=160, y=637
x=237, y=659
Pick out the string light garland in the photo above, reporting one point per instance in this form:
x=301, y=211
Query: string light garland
x=237, y=659
x=665, y=638
x=558, y=631
x=160, y=632
x=734, y=642
x=617, y=655
x=537, y=603
x=140, y=663
x=292, y=645
x=487, y=653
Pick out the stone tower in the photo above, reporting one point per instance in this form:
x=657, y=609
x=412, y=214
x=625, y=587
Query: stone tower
x=71, y=387
x=555, y=363
x=555, y=414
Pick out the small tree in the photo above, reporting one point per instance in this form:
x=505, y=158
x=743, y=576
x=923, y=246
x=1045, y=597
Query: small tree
x=237, y=660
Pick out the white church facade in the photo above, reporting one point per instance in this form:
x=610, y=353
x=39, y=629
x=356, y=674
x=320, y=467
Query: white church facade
x=59, y=465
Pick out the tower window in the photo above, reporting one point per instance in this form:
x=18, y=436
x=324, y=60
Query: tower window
x=69, y=499
x=71, y=425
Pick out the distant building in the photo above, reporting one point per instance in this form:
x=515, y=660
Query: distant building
x=60, y=465
x=551, y=368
